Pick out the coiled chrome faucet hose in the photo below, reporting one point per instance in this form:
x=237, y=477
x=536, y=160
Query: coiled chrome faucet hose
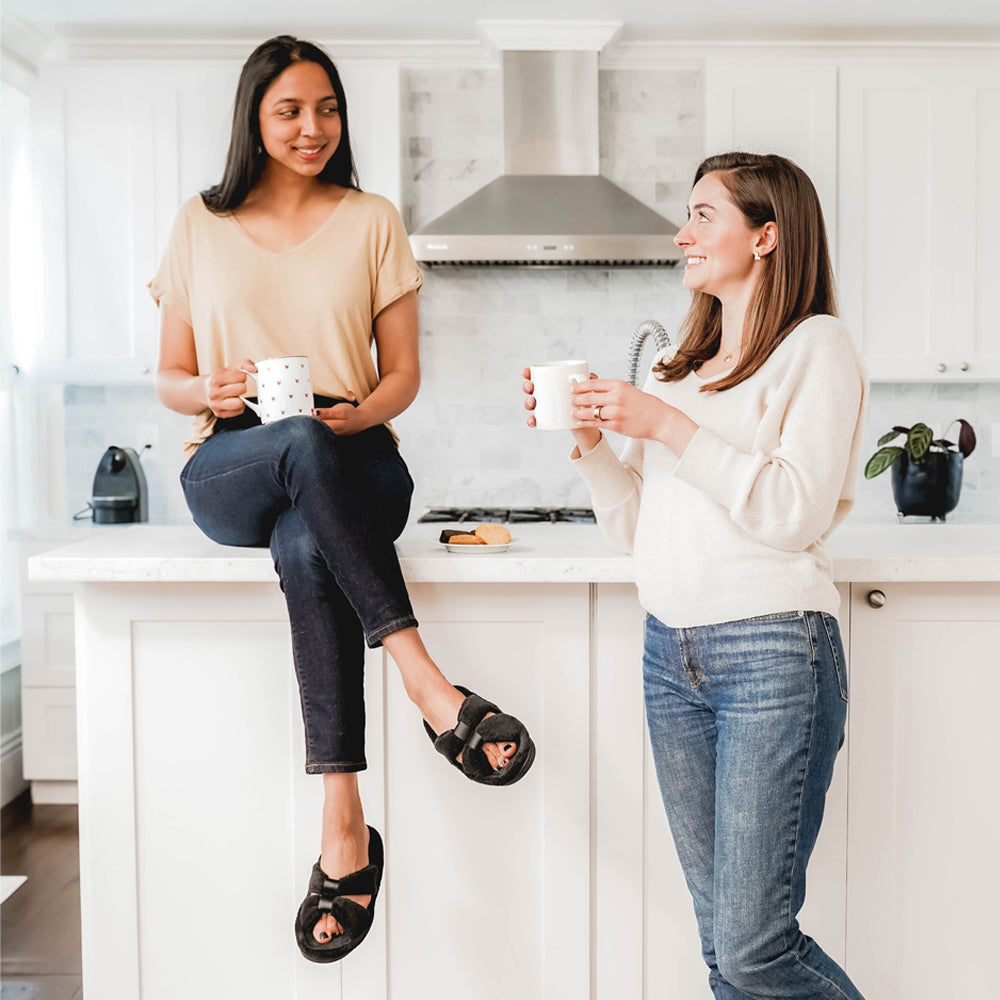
x=642, y=332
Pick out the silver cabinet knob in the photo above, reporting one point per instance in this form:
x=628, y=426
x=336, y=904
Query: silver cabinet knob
x=942, y=367
x=964, y=366
x=876, y=599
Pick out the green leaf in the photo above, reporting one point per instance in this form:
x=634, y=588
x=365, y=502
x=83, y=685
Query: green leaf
x=881, y=461
x=966, y=439
x=918, y=441
x=894, y=433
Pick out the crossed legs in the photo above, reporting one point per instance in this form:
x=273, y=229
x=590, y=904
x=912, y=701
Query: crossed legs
x=330, y=509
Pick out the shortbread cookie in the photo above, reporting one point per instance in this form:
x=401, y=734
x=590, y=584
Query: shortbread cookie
x=493, y=534
x=466, y=540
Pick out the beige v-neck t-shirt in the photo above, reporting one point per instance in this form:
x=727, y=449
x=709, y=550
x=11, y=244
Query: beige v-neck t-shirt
x=318, y=299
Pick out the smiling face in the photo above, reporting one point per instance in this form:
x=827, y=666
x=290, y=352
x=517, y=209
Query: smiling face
x=300, y=120
x=718, y=243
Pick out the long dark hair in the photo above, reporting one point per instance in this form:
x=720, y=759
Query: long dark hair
x=246, y=158
x=796, y=278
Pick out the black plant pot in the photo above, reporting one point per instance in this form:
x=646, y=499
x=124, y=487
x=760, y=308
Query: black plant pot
x=930, y=488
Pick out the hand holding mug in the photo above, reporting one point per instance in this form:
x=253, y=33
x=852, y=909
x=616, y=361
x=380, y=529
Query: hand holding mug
x=584, y=436
x=611, y=404
x=548, y=387
x=284, y=388
x=225, y=387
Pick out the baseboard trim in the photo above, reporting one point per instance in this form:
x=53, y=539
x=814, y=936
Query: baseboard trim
x=54, y=793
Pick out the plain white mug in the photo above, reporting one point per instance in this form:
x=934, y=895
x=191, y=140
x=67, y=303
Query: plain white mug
x=284, y=388
x=553, y=393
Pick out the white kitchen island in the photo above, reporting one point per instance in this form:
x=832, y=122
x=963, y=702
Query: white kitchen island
x=198, y=826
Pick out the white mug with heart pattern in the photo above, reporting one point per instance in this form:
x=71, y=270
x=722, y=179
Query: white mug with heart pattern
x=284, y=388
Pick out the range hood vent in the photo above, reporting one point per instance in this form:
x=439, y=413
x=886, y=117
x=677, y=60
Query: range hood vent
x=551, y=207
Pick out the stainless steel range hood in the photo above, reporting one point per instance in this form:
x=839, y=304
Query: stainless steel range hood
x=551, y=206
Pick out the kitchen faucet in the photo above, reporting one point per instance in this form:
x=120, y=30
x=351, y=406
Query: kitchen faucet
x=642, y=332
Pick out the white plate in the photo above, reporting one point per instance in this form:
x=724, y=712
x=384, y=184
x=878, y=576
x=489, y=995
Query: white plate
x=477, y=549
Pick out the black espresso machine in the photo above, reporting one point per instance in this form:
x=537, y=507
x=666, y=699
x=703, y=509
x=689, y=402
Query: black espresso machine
x=119, y=494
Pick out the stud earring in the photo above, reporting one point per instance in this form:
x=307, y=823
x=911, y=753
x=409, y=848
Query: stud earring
x=756, y=256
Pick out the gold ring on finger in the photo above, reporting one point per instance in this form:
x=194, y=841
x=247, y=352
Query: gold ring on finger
x=597, y=411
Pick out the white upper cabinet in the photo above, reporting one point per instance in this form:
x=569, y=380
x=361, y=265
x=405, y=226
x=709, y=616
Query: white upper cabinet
x=919, y=213
x=94, y=177
x=117, y=148
x=787, y=107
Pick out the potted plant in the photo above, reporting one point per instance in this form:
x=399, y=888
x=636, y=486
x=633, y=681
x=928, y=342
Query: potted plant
x=926, y=471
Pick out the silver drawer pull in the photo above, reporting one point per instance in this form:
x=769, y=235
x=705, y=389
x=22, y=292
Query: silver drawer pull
x=876, y=599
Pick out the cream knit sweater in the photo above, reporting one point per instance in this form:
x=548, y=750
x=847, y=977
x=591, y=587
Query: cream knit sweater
x=736, y=527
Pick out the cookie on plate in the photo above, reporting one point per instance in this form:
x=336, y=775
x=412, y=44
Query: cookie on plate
x=493, y=534
x=466, y=540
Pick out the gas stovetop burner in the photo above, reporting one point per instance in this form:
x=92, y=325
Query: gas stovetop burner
x=509, y=515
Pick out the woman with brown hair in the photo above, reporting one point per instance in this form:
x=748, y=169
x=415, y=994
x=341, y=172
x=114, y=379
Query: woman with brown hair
x=742, y=457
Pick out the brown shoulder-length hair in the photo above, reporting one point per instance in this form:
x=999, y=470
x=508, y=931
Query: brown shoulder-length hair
x=795, y=279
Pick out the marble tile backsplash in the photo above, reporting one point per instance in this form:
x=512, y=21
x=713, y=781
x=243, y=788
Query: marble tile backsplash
x=464, y=438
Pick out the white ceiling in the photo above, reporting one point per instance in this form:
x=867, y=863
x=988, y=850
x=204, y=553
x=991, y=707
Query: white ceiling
x=456, y=19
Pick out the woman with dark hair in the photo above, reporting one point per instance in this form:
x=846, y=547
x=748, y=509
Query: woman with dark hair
x=286, y=256
x=741, y=459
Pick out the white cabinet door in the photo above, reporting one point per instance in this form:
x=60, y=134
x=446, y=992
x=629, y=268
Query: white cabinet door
x=48, y=684
x=918, y=207
x=473, y=871
x=48, y=717
x=787, y=107
x=922, y=858
x=94, y=181
x=978, y=93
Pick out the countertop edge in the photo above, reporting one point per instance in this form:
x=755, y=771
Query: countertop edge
x=545, y=555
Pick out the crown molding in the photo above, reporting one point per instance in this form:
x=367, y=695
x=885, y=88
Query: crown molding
x=692, y=55
x=164, y=46
x=25, y=49
x=22, y=48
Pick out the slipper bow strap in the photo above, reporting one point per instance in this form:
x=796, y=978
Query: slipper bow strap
x=360, y=883
x=468, y=736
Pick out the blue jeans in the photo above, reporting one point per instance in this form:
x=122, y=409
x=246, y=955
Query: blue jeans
x=329, y=508
x=745, y=722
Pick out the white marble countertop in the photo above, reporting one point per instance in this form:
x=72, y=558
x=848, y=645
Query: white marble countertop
x=539, y=553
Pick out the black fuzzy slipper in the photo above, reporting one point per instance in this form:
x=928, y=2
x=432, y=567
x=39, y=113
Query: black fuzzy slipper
x=326, y=896
x=472, y=730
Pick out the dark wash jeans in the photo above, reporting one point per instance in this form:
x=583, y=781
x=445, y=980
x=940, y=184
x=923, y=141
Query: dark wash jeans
x=329, y=508
x=745, y=722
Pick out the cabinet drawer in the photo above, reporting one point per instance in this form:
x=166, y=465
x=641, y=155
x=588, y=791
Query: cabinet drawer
x=48, y=656
x=49, y=733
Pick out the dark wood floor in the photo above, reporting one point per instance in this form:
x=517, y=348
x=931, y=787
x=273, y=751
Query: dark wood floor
x=40, y=922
